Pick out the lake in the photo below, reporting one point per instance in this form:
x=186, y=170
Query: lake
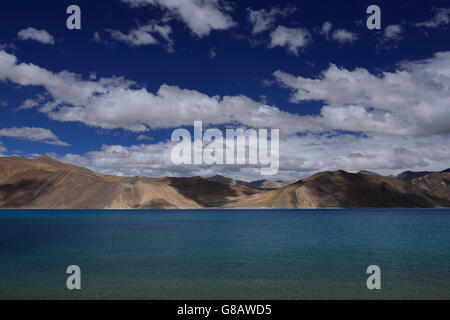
x=225, y=254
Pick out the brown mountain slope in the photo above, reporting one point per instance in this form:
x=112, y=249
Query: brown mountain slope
x=210, y=193
x=341, y=189
x=46, y=183
x=436, y=182
x=410, y=175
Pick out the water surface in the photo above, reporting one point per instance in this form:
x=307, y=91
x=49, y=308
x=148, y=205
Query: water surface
x=216, y=254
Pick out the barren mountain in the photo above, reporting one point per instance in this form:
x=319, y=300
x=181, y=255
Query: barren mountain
x=340, y=189
x=410, y=175
x=210, y=193
x=436, y=182
x=46, y=183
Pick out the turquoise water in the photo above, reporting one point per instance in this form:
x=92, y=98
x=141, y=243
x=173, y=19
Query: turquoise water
x=302, y=254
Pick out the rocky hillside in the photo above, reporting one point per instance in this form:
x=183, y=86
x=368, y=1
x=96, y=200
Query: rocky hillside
x=46, y=183
x=340, y=189
x=436, y=182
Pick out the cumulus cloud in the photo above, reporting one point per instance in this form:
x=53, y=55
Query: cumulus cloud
x=300, y=156
x=413, y=100
x=201, y=16
x=441, y=18
x=405, y=127
x=393, y=32
x=33, y=134
x=2, y=148
x=382, y=153
x=116, y=102
x=291, y=38
x=41, y=36
x=344, y=36
x=148, y=34
x=31, y=102
x=263, y=20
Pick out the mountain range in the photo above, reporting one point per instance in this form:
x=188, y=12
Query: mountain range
x=44, y=183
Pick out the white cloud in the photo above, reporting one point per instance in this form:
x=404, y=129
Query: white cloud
x=3, y=103
x=148, y=34
x=393, y=32
x=441, y=18
x=41, y=36
x=382, y=153
x=405, y=127
x=28, y=104
x=33, y=134
x=201, y=16
x=291, y=38
x=339, y=35
x=344, y=36
x=31, y=103
x=414, y=100
x=2, y=148
x=263, y=20
x=326, y=28
x=300, y=156
x=8, y=46
x=116, y=102
x=144, y=137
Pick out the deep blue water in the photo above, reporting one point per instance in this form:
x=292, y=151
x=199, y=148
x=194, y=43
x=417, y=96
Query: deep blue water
x=213, y=254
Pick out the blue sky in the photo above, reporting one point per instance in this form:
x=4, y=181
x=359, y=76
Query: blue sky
x=109, y=95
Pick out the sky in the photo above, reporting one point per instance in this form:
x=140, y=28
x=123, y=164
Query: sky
x=109, y=96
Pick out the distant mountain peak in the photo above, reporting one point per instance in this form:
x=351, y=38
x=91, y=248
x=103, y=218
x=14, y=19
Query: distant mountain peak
x=410, y=175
